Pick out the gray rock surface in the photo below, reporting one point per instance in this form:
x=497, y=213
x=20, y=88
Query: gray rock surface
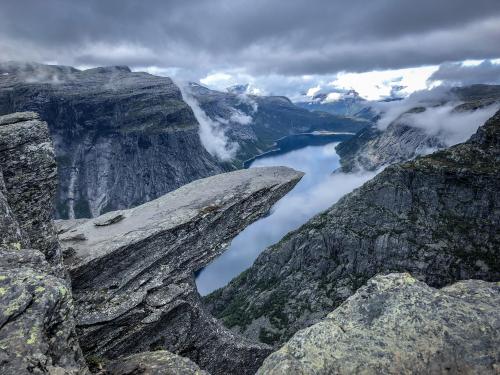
x=29, y=178
x=436, y=217
x=37, y=330
x=160, y=362
x=120, y=138
x=398, y=325
x=133, y=279
x=373, y=148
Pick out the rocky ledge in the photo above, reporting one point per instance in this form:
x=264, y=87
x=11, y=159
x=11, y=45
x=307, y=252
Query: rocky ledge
x=398, y=325
x=133, y=270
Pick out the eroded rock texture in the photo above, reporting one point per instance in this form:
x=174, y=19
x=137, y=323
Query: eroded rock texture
x=398, y=325
x=37, y=331
x=133, y=270
x=30, y=177
x=436, y=217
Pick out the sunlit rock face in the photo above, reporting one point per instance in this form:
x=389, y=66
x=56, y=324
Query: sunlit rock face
x=133, y=270
x=396, y=324
x=435, y=217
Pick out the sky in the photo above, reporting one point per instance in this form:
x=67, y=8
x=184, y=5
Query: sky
x=282, y=47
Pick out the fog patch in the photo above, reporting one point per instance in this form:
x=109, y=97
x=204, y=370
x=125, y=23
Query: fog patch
x=448, y=124
x=437, y=112
x=212, y=132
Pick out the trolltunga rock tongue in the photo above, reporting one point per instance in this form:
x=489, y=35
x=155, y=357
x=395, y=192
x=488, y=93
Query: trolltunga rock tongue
x=133, y=270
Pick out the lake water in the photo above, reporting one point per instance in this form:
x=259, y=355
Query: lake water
x=317, y=191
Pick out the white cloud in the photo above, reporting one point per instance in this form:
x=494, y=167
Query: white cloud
x=376, y=85
x=449, y=125
x=211, y=132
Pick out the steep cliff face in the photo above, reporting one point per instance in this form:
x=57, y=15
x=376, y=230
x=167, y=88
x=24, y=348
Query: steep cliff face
x=436, y=217
x=398, y=325
x=120, y=138
x=256, y=122
x=133, y=270
x=37, y=331
x=401, y=140
x=30, y=178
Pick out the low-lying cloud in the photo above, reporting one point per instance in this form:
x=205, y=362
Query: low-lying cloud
x=439, y=114
x=448, y=124
x=212, y=133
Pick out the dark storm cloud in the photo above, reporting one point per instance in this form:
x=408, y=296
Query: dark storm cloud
x=457, y=74
x=282, y=36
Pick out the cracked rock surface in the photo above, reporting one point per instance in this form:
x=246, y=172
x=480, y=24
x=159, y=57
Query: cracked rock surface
x=37, y=330
x=398, y=325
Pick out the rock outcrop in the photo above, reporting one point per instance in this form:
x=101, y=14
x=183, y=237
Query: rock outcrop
x=373, y=148
x=436, y=217
x=133, y=270
x=37, y=331
x=121, y=138
x=398, y=325
x=29, y=175
x=154, y=363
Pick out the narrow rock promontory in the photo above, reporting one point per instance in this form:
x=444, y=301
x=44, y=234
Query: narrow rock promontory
x=133, y=270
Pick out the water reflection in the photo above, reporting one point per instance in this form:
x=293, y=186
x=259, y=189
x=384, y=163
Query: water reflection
x=317, y=190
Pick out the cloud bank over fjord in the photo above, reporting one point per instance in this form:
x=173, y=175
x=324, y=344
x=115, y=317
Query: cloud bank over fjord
x=212, y=132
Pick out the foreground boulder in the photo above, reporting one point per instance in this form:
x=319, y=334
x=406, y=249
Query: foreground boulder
x=37, y=330
x=436, y=217
x=132, y=271
x=398, y=325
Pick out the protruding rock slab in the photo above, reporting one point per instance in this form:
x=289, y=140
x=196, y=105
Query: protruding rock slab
x=133, y=278
x=160, y=362
x=398, y=325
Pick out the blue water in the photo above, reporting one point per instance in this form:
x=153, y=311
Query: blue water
x=317, y=191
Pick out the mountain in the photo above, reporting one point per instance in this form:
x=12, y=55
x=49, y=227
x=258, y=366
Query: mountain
x=349, y=103
x=121, y=138
x=256, y=122
x=374, y=147
x=435, y=217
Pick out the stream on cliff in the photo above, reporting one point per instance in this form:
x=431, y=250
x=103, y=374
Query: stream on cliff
x=317, y=191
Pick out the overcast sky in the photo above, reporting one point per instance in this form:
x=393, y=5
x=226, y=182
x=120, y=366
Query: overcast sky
x=278, y=45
